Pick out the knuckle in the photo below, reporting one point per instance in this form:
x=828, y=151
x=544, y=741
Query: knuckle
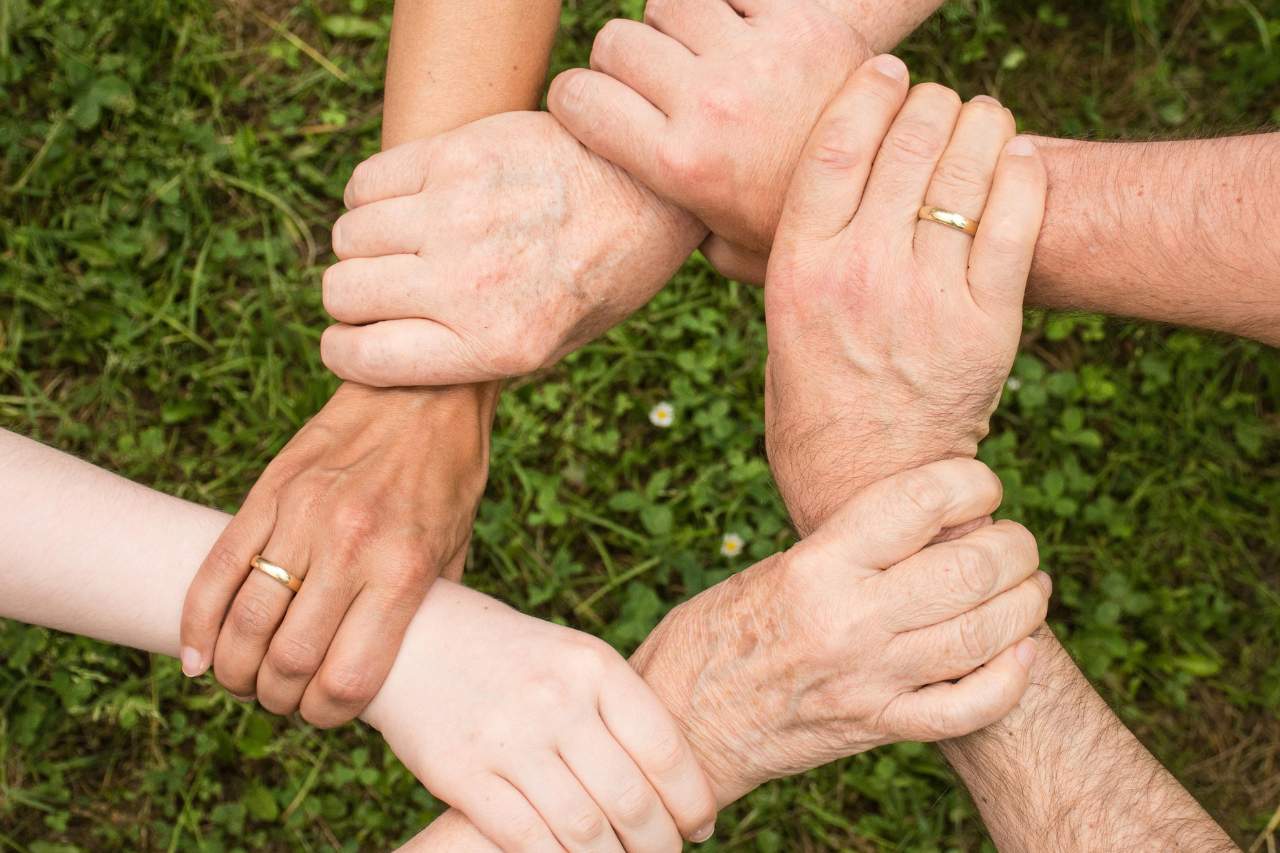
x=683, y=163
x=606, y=39
x=524, y=831
x=333, y=294
x=585, y=827
x=923, y=493
x=974, y=637
x=347, y=686
x=294, y=658
x=937, y=94
x=634, y=804
x=666, y=751
x=914, y=141
x=657, y=11
x=353, y=522
x=961, y=173
x=252, y=615
x=723, y=104
x=975, y=571
x=224, y=562
x=360, y=178
x=834, y=147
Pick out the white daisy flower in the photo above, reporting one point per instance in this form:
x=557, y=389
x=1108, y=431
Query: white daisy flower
x=662, y=415
x=1013, y=383
x=731, y=545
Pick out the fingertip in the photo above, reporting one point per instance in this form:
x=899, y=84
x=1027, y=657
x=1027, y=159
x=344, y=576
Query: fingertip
x=567, y=91
x=1025, y=651
x=194, y=662
x=890, y=66
x=1021, y=146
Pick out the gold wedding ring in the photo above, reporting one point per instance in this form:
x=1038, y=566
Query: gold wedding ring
x=949, y=218
x=276, y=573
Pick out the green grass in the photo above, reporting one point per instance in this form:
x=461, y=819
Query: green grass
x=168, y=171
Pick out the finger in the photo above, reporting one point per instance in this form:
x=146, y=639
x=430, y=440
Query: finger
x=391, y=287
x=642, y=726
x=255, y=614
x=962, y=180
x=733, y=261
x=398, y=171
x=894, y=518
x=612, y=120
x=299, y=645
x=406, y=352
x=961, y=645
x=220, y=576
x=566, y=807
x=388, y=227
x=361, y=654
x=827, y=185
x=950, y=578
x=1006, y=239
x=981, y=698
x=700, y=25
x=620, y=789
x=654, y=65
x=907, y=159
x=506, y=817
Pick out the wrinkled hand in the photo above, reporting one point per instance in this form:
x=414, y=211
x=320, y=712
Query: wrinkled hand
x=710, y=108
x=817, y=653
x=368, y=503
x=541, y=735
x=489, y=252
x=890, y=338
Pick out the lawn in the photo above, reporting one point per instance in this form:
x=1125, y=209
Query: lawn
x=168, y=173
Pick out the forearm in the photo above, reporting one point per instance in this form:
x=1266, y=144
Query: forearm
x=452, y=63
x=1063, y=773
x=1170, y=231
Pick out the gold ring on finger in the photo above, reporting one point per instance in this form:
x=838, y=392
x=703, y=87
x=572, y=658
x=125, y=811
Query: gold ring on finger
x=949, y=218
x=276, y=573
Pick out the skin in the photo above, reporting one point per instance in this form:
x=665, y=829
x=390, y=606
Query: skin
x=1172, y=232
x=1061, y=772
x=323, y=509
x=867, y=580
x=595, y=246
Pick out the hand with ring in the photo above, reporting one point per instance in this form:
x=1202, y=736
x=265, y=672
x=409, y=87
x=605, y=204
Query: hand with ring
x=894, y=290
x=304, y=599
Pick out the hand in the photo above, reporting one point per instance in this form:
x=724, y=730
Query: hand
x=817, y=653
x=890, y=338
x=542, y=736
x=368, y=503
x=709, y=108
x=490, y=252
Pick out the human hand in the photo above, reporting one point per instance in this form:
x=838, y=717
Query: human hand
x=850, y=639
x=489, y=252
x=368, y=503
x=890, y=338
x=542, y=736
x=711, y=108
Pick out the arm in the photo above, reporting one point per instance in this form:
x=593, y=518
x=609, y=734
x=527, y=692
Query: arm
x=870, y=371
x=756, y=670
x=1062, y=772
x=332, y=504
x=1174, y=232
x=497, y=249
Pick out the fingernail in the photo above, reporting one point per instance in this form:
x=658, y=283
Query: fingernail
x=890, y=66
x=1026, y=652
x=193, y=664
x=1021, y=146
x=1046, y=582
x=703, y=834
x=248, y=697
x=985, y=99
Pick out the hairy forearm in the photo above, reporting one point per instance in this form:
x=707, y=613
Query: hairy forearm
x=1170, y=231
x=1063, y=773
